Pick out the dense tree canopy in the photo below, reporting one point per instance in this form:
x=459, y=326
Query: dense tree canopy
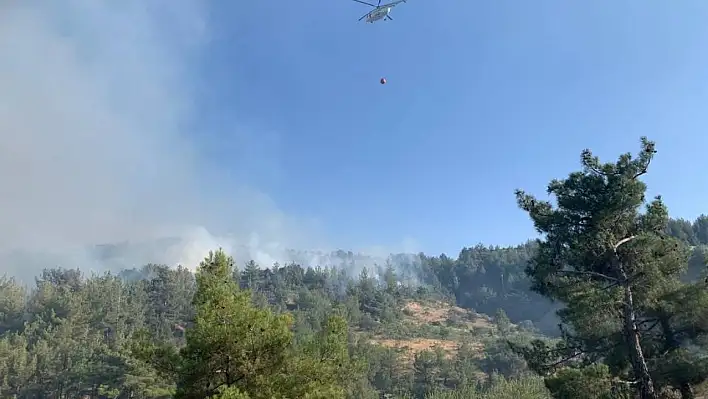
x=625, y=283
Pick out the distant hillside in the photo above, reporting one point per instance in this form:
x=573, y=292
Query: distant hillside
x=176, y=250
x=436, y=324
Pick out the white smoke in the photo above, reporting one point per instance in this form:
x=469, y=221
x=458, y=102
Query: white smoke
x=98, y=125
x=99, y=144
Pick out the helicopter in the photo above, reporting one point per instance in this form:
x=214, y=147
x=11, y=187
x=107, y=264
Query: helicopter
x=380, y=11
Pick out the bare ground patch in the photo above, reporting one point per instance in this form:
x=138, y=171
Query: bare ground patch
x=413, y=346
x=440, y=312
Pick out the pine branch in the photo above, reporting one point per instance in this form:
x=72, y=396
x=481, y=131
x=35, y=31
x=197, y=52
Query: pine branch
x=592, y=274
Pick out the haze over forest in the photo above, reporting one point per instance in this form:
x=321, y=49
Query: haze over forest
x=105, y=145
x=143, y=254
x=96, y=149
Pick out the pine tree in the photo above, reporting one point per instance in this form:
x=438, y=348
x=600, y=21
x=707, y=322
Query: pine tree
x=250, y=276
x=237, y=350
x=604, y=260
x=232, y=343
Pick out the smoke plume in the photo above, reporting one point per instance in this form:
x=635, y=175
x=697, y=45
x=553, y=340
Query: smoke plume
x=98, y=117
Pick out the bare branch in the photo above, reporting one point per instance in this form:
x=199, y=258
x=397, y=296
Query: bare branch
x=623, y=241
x=643, y=171
x=614, y=284
x=592, y=274
x=577, y=353
x=596, y=170
x=646, y=166
x=552, y=366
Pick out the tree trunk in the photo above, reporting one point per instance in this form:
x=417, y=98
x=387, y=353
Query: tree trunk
x=631, y=333
x=671, y=344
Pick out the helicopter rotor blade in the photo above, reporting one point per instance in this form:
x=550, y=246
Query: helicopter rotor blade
x=368, y=4
x=379, y=5
x=364, y=16
x=389, y=17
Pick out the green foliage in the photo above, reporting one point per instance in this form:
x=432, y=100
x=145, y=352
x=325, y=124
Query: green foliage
x=528, y=388
x=235, y=344
x=501, y=320
x=12, y=305
x=230, y=393
x=616, y=273
x=628, y=284
x=499, y=358
x=592, y=382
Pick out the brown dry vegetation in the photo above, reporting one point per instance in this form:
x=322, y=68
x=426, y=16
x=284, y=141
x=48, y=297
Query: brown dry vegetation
x=440, y=313
x=410, y=347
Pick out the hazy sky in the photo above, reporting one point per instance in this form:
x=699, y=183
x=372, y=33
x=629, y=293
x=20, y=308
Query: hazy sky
x=264, y=124
x=482, y=97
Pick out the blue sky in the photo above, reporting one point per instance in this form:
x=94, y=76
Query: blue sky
x=483, y=97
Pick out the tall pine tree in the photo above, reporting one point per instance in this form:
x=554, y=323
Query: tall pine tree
x=605, y=261
x=238, y=350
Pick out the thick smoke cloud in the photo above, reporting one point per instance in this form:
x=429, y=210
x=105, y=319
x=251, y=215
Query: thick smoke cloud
x=97, y=104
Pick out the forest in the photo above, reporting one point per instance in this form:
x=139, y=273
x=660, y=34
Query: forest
x=609, y=302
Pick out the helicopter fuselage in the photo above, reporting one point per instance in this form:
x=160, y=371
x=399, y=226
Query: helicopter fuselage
x=378, y=14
